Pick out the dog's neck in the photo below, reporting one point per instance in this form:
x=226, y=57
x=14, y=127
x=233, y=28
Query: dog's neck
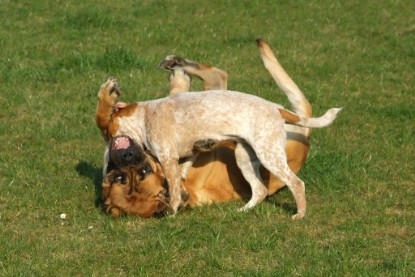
x=130, y=121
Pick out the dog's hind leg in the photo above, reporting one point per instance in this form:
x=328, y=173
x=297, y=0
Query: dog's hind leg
x=273, y=158
x=213, y=78
x=180, y=81
x=249, y=164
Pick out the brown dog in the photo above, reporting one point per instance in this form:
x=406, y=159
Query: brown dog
x=214, y=176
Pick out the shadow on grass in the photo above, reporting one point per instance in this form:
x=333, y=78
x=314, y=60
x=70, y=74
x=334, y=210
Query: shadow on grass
x=85, y=169
x=290, y=208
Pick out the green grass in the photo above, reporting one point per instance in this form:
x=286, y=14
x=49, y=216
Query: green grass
x=359, y=176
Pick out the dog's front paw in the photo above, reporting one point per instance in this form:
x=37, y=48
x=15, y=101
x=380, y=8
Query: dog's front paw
x=205, y=145
x=185, y=196
x=110, y=91
x=175, y=204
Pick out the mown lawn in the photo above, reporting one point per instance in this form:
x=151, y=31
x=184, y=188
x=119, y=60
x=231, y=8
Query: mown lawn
x=360, y=174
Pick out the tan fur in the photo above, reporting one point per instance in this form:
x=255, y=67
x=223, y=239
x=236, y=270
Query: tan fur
x=179, y=82
x=215, y=176
x=289, y=116
x=134, y=195
x=213, y=78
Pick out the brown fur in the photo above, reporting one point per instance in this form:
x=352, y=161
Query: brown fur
x=289, y=116
x=134, y=194
x=214, y=176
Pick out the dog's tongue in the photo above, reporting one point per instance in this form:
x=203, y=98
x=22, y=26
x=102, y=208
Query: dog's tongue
x=121, y=143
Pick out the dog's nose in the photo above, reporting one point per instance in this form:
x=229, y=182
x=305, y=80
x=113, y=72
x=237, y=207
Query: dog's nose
x=128, y=155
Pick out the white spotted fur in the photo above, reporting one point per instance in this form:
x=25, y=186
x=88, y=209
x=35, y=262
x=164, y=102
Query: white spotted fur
x=170, y=126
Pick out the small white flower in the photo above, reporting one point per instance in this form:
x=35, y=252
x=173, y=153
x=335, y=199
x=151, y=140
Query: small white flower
x=63, y=216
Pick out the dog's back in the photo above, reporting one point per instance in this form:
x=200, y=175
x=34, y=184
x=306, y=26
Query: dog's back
x=220, y=112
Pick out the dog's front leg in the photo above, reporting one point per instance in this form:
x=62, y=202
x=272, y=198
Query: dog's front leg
x=187, y=163
x=184, y=168
x=107, y=104
x=171, y=170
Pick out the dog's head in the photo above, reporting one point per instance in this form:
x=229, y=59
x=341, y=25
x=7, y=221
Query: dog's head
x=134, y=183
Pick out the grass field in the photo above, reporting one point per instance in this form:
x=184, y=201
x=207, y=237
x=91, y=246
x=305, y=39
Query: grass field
x=360, y=174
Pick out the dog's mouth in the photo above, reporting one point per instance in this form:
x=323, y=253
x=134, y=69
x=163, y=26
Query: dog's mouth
x=120, y=143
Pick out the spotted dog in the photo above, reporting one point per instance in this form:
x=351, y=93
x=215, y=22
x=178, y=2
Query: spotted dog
x=170, y=127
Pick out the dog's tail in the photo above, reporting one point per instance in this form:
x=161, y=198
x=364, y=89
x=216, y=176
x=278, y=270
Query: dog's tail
x=310, y=122
x=297, y=99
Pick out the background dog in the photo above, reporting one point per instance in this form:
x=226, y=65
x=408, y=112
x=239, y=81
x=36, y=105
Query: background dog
x=214, y=176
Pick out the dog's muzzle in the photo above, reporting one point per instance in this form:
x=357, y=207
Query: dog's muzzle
x=125, y=152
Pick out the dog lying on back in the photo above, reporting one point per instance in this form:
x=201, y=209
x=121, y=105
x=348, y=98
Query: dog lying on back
x=248, y=145
x=131, y=184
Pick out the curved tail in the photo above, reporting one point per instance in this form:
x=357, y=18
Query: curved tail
x=310, y=122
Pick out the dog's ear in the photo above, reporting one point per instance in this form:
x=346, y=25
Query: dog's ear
x=120, y=105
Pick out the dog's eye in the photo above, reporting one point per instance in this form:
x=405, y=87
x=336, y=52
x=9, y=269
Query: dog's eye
x=144, y=171
x=119, y=178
